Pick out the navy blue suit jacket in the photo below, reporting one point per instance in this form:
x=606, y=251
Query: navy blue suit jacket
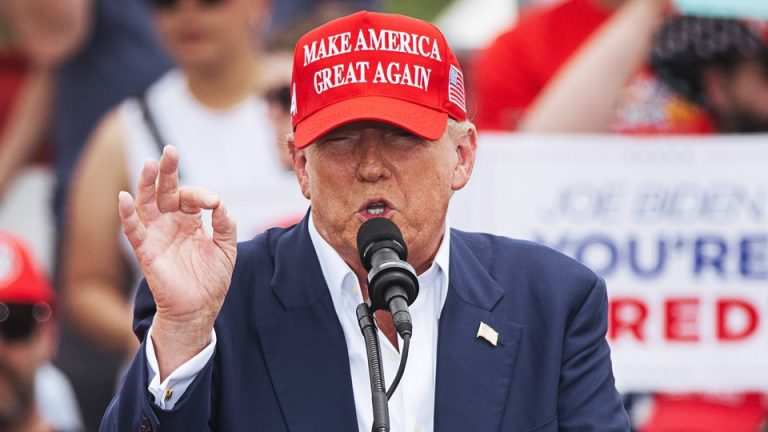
x=281, y=359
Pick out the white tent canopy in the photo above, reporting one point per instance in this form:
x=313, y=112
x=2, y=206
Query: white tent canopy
x=472, y=24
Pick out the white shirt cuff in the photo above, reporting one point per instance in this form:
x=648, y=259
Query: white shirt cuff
x=168, y=392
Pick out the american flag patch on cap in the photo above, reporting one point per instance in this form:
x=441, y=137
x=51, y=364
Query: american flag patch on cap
x=456, y=87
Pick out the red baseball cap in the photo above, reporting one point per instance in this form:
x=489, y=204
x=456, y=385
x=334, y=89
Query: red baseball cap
x=21, y=281
x=374, y=66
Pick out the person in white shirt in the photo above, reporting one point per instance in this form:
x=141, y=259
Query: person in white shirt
x=212, y=106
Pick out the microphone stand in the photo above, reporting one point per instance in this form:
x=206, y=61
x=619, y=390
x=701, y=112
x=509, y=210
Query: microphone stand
x=375, y=369
x=379, y=398
x=392, y=286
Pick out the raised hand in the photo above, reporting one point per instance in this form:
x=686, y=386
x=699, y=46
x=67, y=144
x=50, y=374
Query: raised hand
x=188, y=270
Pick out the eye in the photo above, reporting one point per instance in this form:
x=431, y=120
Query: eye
x=336, y=138
x=338, y=142
x=399, y=132
x=403, y=133
x=403, y=139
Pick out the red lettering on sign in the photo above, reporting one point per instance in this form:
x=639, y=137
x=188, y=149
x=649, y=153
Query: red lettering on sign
x=682, y=316
x=627, y=315
x=726, y=308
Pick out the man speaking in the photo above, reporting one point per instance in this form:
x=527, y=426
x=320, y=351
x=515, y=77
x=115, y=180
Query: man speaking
x=507, y=335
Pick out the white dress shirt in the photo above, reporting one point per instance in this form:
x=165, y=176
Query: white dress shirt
x=412, y=406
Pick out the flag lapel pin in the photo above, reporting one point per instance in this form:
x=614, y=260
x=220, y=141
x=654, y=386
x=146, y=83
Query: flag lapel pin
x=488, y=333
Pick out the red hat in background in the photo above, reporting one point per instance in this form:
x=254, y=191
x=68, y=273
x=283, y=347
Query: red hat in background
x=21, y=281
x=374, y=66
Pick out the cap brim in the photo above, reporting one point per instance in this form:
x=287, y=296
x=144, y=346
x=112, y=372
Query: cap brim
x=420, y=120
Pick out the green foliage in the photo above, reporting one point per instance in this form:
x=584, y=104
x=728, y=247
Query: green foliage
x=423, y=9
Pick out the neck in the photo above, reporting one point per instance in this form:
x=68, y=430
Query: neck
x=226, y=84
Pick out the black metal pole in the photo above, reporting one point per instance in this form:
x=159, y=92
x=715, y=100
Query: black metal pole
x=375, y=369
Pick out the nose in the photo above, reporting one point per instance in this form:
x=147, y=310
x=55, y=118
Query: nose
x=371, y=164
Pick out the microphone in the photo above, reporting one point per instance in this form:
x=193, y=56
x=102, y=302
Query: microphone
x=392, y=282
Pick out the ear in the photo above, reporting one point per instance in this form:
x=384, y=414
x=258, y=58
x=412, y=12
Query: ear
x=299, y=162
x=466, y=148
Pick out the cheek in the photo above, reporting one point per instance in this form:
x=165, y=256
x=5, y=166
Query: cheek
x=165, y=28
x=327, y=186
x=752, y=91
x=760, y=98
x=435, y=183
x=226, y=30
x=427, y=194
x=22, y=359
x=232, y=25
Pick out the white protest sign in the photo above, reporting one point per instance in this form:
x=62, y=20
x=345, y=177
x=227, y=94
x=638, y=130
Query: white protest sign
x=677, y=226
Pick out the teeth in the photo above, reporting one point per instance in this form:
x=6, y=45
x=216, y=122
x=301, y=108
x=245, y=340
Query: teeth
x=376, y=208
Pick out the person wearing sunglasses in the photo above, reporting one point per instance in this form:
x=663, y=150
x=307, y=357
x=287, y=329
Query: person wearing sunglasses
x=88, y=55
x=34, y=396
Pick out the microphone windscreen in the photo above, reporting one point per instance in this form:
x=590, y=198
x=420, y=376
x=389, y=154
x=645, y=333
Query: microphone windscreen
x=376, y=230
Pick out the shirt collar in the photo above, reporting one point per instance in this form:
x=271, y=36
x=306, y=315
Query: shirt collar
x=335, y=270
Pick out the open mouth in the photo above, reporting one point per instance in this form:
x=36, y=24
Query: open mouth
x=375, y=208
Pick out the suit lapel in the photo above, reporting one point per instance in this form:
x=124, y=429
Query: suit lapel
x=304, y=345
x=473, y=376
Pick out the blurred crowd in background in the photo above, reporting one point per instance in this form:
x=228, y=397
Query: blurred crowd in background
x=89, y=89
